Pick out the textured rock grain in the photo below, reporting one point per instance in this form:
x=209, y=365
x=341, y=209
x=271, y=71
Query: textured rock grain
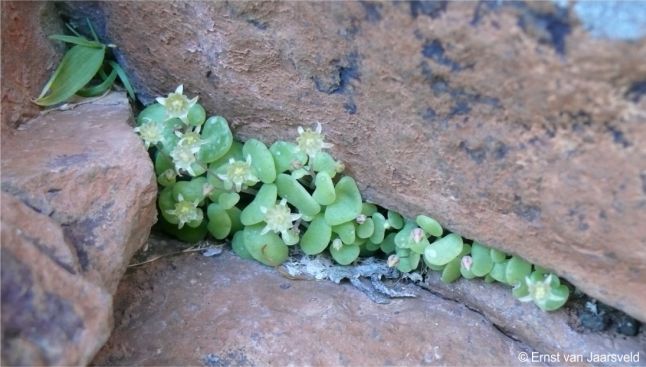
x=28, y=57
x=509, y=123
x=239, y=313
x=86, y=169
x=51, y=315
x=550, y=333
x=78, y=199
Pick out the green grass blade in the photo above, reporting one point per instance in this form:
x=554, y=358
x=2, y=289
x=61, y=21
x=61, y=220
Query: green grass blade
x=124, y=79
x=76, y=40
x=89, y=24
x=49, y=84
x=79, y=65
x=100, y=88
x=69, y=26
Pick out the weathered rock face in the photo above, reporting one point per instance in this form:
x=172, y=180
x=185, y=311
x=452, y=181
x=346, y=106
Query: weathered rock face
x=237, y=312
x=51, y=315
x=78, y=199
x=28, y=57
x=86, y=169
x=511, y=124
x=549, y=333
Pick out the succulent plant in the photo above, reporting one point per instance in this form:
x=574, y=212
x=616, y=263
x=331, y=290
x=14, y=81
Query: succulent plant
x=545, y=290
x=267, y=200
x=177, y=105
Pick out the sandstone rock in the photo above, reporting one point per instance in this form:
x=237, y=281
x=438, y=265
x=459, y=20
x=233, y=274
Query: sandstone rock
x=51, y=315
x=28, y=57
x=87, y=170
x=195, y=310
x=78, y=199
x=508, y=122
x=550, y=333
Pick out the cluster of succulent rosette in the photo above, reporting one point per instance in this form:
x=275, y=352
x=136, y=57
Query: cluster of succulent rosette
x=267, y=200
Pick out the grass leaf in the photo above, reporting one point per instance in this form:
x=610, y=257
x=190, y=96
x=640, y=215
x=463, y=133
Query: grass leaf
x=89, y=24
x=69, y=26
x=124, y=78
x=79, y=65
x=95, y=90
x=76, y=40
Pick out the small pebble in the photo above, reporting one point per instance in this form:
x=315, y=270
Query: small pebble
x=593, y=321
x=626, y=325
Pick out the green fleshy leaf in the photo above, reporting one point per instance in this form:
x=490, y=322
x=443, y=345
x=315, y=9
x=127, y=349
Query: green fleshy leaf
x=359, y=241
x=228, y=200
x=79, y=65
x=346, y=231
x=408, y=260
x=153, y=112
x=185, y=234
x=285, y=154
x=371, y=246
x=295, y=193
x=347, y=205
x=541, y=270
x=388, y=245
x=266, y=197
x=317, y=236
x=163, y=162
x=443, y=250
x=498, y=256
x=368, y=209
x=466, y=273
x=261, y=160
x=169, y=139
x=324, y=193
x=290, y=237
x=218, y=139
x=434, y=267
x=196, y=115
x=324, y=162
x=346, y=254
x=499, y=272
x=520, y=290
x=366, y=229
x=482, y=262
x=166, y=202
x=167, y=178
x=235, y=152
x=517, y=269
x=192, y=190
x=451, y=271
x=300, y=173
x=219, y=221
x=395, y=220
x=380, y=229
x=234, y=214
x=557, y=298
x=237, y=244
x=404, y=239
x=429, y=225
x=165, y=169
x=267, y=248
